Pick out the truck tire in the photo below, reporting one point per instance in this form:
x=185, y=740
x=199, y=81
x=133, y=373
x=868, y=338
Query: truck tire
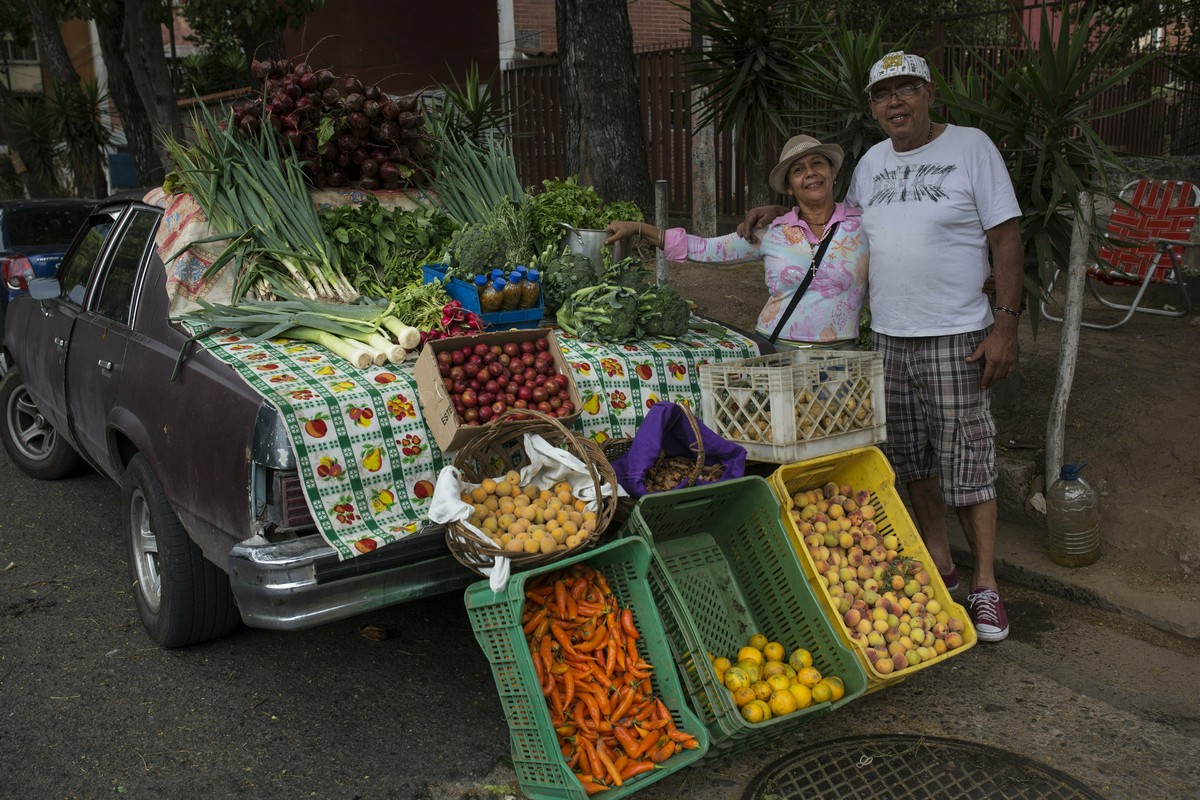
x=31, y=442
x=182, y=598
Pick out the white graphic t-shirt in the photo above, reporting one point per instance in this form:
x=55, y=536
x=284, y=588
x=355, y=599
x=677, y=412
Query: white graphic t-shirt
x=926, y=213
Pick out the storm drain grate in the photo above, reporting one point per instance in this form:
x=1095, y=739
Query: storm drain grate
x=911, y=768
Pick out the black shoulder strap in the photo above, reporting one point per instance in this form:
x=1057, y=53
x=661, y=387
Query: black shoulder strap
x=803, y=287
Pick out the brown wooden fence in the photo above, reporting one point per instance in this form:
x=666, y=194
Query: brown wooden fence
x=1165, y=126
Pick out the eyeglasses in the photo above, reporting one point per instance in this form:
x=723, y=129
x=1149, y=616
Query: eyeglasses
x=902, y=92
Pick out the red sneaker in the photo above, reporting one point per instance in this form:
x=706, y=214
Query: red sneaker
x=950, y=578
x=987, y=614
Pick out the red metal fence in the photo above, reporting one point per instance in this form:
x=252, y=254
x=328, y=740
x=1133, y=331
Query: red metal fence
x=1161, y=127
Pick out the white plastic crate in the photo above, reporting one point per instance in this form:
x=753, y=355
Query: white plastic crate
x=798, y=404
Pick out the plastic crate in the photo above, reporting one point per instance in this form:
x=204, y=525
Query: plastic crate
x=796, y=405
x=724, y=569
x=866, y=469
x=496, y=621
x=466, y=294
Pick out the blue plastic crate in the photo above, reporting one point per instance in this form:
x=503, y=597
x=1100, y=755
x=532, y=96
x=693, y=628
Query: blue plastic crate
x=466, y=294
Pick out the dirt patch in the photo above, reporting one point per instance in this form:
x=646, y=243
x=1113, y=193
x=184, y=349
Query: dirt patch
x=1131, y=411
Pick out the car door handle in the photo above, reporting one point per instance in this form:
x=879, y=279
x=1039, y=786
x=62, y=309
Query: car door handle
x=105, y=365
x=59, y=341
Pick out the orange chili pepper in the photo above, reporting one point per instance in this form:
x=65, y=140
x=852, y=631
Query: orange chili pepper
x=597, y=640
x=637, y=768
x=655, y=724
x=561, y=637
x=610, y=661
x=535, y=597
x=534, y=619
x=572, y=608
x=593, y=707
x=577, y=714
x=568, y=687
x=594, y=763
x=590, y=784
x=579, y=587
x=665, y=750
x=613, y=773
x=602, y=585
x=627, y=624
x=622, y=708
x=620, y=668
x=589, y=609
x=560, y=598
x=629, y=744
x=543, y=627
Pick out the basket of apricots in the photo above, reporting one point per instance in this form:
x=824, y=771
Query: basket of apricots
x=529, y=522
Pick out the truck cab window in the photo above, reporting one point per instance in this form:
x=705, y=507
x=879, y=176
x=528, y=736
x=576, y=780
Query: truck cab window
x=115, y=295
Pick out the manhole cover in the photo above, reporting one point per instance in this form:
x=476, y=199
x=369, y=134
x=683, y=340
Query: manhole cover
x=911, y=767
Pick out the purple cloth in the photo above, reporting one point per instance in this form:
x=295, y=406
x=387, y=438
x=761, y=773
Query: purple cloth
x=666, y=431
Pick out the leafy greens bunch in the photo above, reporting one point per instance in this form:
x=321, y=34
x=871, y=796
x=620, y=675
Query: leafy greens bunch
x=382, y=247
x=578, y=206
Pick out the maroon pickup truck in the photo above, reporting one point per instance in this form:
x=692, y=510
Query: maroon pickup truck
x=215, y=521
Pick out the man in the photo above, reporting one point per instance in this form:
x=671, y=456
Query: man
x=935, y=199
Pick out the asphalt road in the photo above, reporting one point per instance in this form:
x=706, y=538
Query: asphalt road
x=91, y=709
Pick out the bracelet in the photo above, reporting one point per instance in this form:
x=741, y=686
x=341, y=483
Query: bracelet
x=1007, y=310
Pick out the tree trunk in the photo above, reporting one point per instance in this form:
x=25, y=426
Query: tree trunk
x=88, y=167
x=602, y=119
x=151, y=73
x=758, y=192
x=148, y=158
x=34, y=186
x=1056, y=423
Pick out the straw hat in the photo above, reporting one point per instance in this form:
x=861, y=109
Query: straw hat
x=797, y=147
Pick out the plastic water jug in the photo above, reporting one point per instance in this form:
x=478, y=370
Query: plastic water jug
x=1072, y=519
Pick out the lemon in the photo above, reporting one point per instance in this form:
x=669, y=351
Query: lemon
x=758, y=642
x=802, y=694
x=721, y=664
x=751, y=654
x=800, y=659
x=809, y=676
x=751, y=669
x=822, y=693
x=836, y=684
x=762, y=689
x=774, y=651
x=753, y=713
x=736, y=678
x=778, y=682
x=774, y=668
x=782, y=702
x=743, y=696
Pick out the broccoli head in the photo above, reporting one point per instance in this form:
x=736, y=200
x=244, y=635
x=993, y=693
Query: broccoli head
x=667, y=312
x=477, y=248
x=604, y=313
x=565, y=274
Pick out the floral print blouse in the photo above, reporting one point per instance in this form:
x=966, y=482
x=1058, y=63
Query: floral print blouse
x=829, y=309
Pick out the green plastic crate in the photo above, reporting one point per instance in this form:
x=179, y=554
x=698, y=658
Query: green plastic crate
x=496, y=620
x=725, y=569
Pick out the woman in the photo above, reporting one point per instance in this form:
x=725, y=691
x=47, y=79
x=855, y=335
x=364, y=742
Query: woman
x=828, y=311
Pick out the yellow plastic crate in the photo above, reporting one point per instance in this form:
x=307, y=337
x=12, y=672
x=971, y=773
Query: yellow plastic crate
x=796, y=405
x=865, y=469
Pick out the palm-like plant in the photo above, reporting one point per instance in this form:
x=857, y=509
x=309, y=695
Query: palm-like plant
x=748, y=70
x=1039, y=112
x=28, y=133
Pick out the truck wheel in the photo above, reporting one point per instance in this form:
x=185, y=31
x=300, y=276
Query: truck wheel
x=31, y=442
x=182, y=597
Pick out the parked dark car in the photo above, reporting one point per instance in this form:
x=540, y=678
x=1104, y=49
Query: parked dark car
x=34, y=234
x=214, y=518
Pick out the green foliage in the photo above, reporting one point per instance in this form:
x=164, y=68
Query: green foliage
x=749, y=66
x=469, y=109
x=1040, y=113
x=385, y=247
x=471, y=180
x=28, y=132
x=603, y=313
x=221, y=24
x=207, y=73
x=579, y=206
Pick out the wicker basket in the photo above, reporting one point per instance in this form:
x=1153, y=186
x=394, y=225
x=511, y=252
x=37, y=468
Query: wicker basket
x=502, y=448
x=614, y=449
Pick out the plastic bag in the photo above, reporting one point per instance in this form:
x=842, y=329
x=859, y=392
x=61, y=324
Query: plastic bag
x=667, y=431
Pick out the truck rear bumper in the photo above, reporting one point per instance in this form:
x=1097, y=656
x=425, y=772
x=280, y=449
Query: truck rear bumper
x=300, y=583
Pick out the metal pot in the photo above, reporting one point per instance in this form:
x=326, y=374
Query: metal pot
x=590, y=243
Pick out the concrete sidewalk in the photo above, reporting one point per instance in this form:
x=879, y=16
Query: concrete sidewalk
x=1022, y=557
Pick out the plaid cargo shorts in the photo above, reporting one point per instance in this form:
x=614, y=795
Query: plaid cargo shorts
x=939, y=419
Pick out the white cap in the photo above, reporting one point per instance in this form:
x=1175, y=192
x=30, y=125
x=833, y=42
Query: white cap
x=898, y=64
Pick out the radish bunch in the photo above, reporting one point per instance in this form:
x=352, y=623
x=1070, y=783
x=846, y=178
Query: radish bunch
x=346, y=134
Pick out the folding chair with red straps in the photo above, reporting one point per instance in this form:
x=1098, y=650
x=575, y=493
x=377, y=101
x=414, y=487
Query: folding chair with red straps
x=1144, y=243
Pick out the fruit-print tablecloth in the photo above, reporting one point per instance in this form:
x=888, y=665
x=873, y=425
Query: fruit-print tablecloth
x=368, y=461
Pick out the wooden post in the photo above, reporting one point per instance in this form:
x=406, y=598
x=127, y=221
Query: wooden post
x=660, y=222
x=1069, y=350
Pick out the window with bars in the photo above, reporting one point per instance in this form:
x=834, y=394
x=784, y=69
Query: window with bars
x=13, y=53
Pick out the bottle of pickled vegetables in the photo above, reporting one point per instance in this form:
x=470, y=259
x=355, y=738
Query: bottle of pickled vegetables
x=481, y=282
x=512, y=292
x=530, y=289
x=493, y=295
